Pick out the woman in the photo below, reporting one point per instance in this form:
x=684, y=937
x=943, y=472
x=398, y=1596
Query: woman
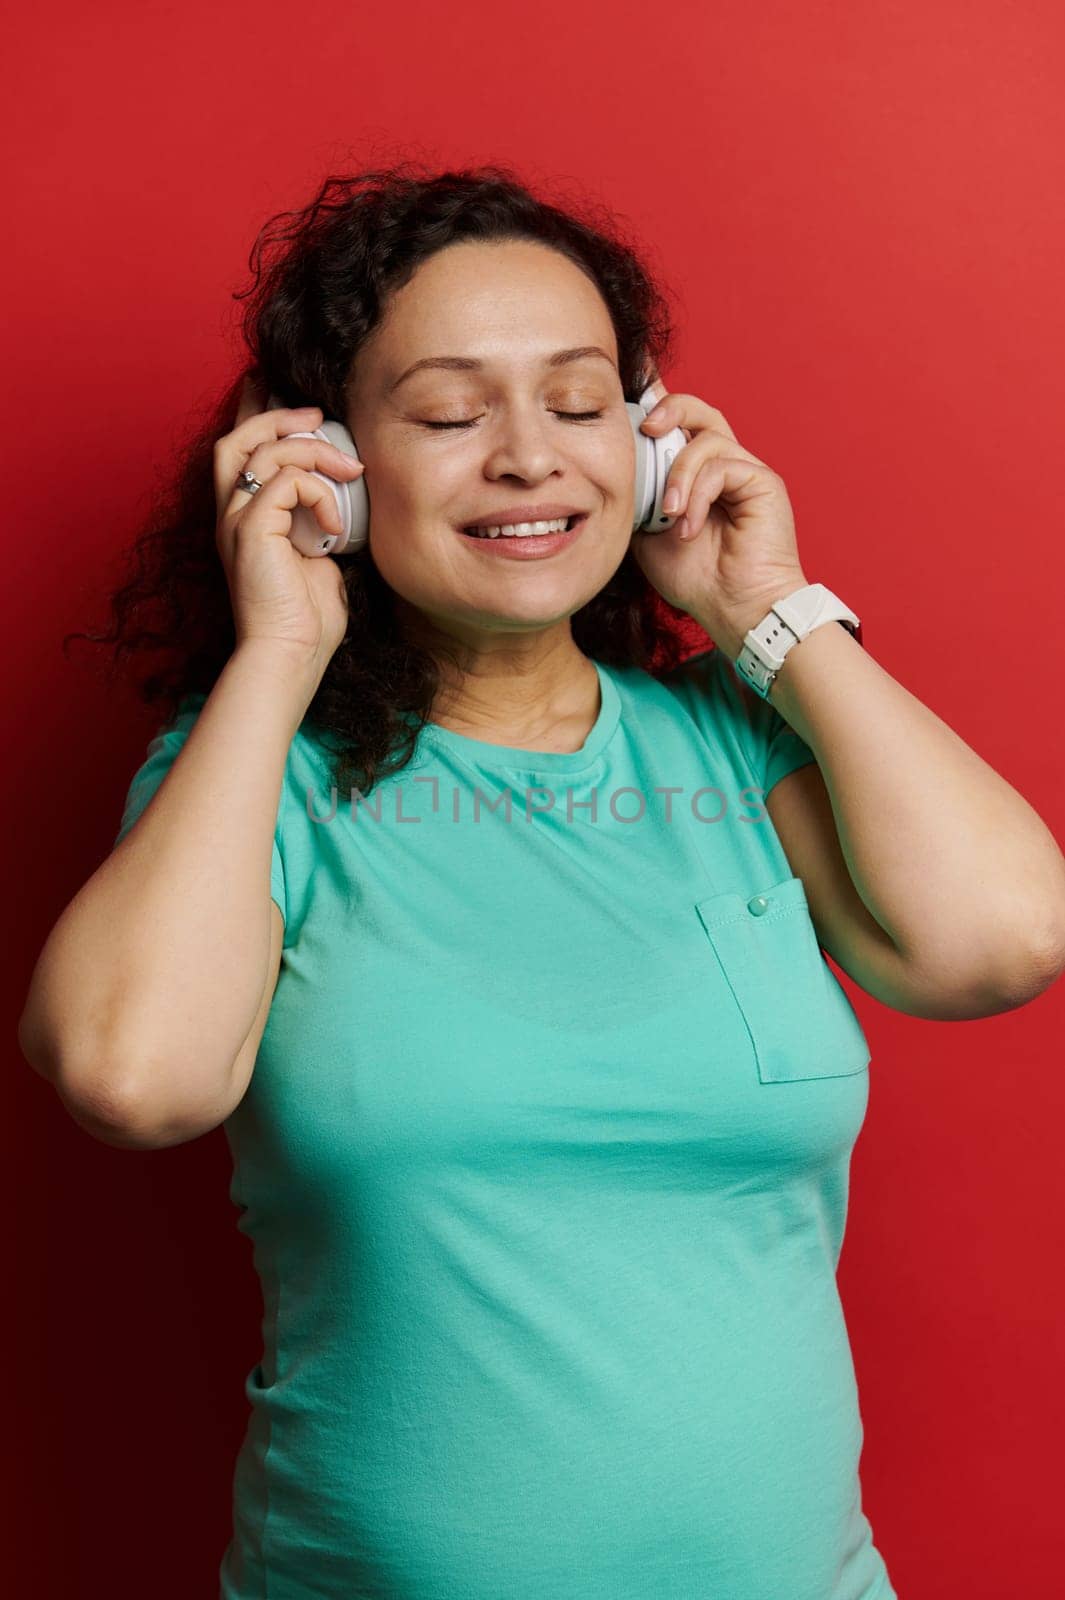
x=540, y=1094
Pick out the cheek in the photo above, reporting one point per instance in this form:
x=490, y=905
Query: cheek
x=422, y=487
x=414, y=548
x=615, y=462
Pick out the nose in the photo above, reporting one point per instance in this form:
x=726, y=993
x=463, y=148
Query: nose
x=524, y=443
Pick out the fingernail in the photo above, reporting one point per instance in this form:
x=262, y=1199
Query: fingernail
x=672, y=500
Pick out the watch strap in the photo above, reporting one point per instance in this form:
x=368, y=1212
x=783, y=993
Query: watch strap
x=788, y=621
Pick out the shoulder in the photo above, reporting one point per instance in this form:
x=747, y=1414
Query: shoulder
x=710, y=678
x=732, y=718
x=707, y=690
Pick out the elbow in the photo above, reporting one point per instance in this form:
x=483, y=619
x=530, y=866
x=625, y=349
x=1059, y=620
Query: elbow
x=106, y=1109
x=952, y=987
x=104, y=1102
x=1027, y=968
x=110, y=1108
x=1041, y=965
x=93, y=1100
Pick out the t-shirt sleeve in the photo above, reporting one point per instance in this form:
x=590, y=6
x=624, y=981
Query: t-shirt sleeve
x=725, y=706
x=161, y=755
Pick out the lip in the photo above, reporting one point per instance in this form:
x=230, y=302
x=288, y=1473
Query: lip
x=530, y=546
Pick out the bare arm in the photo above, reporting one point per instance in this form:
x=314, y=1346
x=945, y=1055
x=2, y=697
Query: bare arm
x=155, y=975
x=948, y=861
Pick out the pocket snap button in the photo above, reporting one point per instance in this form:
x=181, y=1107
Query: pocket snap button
x=758, y=905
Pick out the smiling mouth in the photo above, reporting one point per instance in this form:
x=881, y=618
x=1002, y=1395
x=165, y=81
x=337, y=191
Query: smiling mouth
x=529, y=538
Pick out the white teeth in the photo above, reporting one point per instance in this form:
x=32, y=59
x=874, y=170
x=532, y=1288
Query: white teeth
x=519, y=530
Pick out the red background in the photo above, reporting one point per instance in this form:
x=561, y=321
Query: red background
x=859, y=208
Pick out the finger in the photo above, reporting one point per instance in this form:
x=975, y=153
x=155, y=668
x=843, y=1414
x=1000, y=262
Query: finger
x=231, y=452
x=268, y=513
x=269, y=459
x=688, y=412
x=658, y=419
x=707, y=445
x=290, y=487
x=291, y=450
x=705, y=488
x=713, y=479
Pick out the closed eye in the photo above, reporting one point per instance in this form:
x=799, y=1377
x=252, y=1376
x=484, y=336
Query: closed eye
x=573, y=416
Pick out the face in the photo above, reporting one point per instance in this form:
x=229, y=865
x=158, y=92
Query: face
x=446, y=448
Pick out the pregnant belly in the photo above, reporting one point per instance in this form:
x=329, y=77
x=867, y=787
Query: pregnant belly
x=715, y=1457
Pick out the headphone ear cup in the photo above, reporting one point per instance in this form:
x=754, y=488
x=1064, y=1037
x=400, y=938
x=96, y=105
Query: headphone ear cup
x=643, y=495
x=654, y=458
x=352, y=497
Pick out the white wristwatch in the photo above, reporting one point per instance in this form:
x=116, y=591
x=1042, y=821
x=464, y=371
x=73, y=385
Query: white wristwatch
x=787, y=621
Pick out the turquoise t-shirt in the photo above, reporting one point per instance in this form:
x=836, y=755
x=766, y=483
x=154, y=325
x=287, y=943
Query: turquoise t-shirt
x=545, y=1164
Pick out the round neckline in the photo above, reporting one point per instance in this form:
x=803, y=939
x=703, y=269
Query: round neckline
x=514, y=756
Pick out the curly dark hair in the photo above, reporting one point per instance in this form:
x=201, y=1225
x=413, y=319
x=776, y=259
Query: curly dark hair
x=324, y=289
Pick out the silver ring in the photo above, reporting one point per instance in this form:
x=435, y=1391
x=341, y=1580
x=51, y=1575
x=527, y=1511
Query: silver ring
x=248, y=482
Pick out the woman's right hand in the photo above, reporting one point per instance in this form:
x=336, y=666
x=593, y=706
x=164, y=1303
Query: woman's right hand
x=297, y=602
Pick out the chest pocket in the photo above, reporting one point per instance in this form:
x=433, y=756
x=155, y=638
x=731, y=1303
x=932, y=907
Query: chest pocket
x=800, y=1021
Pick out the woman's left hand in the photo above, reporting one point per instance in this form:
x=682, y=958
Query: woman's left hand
x=732, y=551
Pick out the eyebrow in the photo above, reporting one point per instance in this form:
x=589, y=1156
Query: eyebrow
x=468, y=364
